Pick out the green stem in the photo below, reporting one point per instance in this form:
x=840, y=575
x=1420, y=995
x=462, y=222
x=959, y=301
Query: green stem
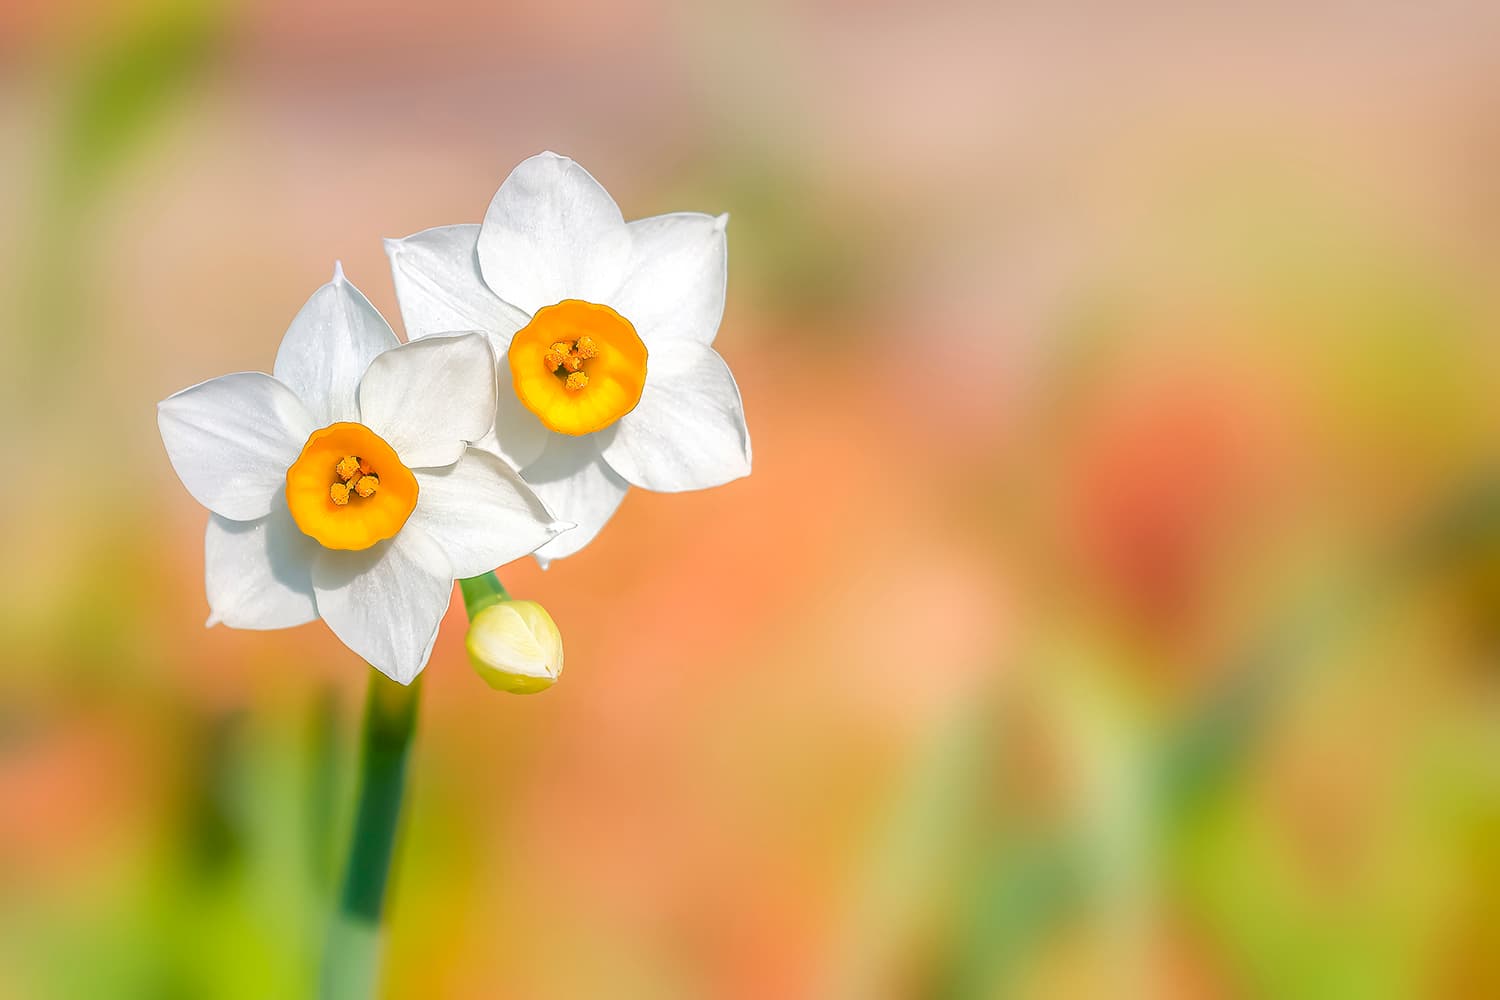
x=482, y=591
x=352, y=956
x=353, y=949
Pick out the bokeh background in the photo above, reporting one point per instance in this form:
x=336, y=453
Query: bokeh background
x=1113, y=609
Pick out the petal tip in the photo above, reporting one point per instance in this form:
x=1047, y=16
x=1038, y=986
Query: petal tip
x=721, y=222
x=397, y=674
x=338, y=272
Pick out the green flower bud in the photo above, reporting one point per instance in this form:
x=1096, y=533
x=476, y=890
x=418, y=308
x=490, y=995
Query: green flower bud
x=515, y=646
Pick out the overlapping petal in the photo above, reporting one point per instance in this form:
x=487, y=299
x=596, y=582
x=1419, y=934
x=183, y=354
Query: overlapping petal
x=574, y=482
x=519, y=437
x=688, y=431
x=481, y=514
x=440, y=289
x=674, y=288
x=430, y=398
x=386, y=602
x=325, y=351
x=552, y=233
x=231, y=439
x=258, y=574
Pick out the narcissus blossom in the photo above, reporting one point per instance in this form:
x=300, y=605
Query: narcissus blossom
x=343, y=487
x=603, y=332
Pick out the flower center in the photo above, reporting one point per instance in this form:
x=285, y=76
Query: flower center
x=578, y=366
x=356, y=478
x=348, y=489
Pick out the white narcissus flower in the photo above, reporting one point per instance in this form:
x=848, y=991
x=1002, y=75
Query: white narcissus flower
x=344, y=488
x=603, y=332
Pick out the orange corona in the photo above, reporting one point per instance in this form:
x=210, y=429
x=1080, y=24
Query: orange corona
x=578, y=366
x=347, y=489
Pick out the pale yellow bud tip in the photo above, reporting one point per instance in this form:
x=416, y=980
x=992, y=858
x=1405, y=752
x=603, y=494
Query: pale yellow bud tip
x=515, y=646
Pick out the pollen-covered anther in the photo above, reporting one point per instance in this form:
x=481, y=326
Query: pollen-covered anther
x=553, y=360
x=573, y=363
x=577, y=381
x=586, y=348
x=353, y=478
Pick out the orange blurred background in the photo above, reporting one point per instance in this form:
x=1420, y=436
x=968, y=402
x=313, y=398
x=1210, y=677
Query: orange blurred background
x=1113, y=607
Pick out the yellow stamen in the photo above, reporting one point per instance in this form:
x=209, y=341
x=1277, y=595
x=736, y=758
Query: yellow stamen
x=586, y=348
x=347, y=467
x=553, y=360
x=577, y=381
x=573, y=363
x=339, y=493
x=367, y=485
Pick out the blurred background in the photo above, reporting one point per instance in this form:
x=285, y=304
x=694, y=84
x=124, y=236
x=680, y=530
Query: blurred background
x=1113, y=610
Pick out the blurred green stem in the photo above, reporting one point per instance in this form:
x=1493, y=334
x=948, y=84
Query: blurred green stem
x=352, y=958
x=1023, y=895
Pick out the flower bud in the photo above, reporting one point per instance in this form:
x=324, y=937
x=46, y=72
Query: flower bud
x=515, y=646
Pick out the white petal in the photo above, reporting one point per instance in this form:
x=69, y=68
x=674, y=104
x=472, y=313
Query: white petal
x=440, y=289
x=552, y=233
x=688, y=431
x=518, y=436
x=387, y=601
x=675, y=287
x=329, y=345
x=258, y=574
x=231, y=440
x=577, y=486
x=431, y=397
x=481, y=513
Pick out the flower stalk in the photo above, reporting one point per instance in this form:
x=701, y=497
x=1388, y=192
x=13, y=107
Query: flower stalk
x=482, y=591
x=352, y=955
